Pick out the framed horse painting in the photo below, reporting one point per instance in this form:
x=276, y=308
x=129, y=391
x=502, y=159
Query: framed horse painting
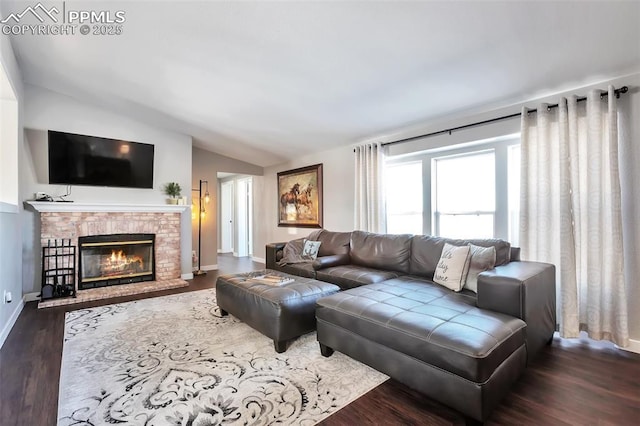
x=300, y=197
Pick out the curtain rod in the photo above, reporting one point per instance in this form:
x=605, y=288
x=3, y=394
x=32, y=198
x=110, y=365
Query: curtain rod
x=623, y=89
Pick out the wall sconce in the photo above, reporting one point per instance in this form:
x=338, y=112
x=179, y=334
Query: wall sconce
x=202, y=201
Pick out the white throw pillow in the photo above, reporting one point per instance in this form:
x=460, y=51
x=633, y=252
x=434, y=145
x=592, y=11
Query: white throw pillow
x=453, y=267
x=311, y=248
x=482, y=259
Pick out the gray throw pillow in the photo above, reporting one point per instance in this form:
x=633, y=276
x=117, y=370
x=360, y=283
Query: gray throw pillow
x=482, y=259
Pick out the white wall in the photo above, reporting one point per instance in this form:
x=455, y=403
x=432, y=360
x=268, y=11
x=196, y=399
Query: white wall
x=337, y=189
x=9, y=145
x=11, y=96
x=339, y=176
x=47, y=110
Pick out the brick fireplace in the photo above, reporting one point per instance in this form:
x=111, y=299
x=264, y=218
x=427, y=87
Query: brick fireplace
x=74, y=220
x=166, y=227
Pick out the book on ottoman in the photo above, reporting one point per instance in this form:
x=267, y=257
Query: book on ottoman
x=272, y=279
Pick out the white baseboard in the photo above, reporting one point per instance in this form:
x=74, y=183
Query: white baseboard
x=188, y=276
x=235, y=253
x=634, y=346
x=31, y=297
x=12, y=320
x=258, y=259
x=208, y=267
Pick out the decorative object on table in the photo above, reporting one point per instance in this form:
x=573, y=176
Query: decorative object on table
x=202, y=212
x=126, y=364
x=300, y=197
x=173, y=190
x=58, y=269
x=272, y=279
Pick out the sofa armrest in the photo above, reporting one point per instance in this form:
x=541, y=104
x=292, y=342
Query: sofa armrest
x=272, y=252
x=526, y=290
x=329, y=261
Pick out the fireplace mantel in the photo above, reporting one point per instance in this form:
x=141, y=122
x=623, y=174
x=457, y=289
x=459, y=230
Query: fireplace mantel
x=52, y=206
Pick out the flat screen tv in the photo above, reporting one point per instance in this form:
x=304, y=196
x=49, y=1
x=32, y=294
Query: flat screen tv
x=90, y=160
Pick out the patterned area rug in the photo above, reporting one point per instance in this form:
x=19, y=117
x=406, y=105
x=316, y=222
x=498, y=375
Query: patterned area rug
x=174, y=361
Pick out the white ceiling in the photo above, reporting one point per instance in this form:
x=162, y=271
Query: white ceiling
x=269, y=81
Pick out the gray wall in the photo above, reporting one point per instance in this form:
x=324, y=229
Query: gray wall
x=206, y=166
x=10, y=236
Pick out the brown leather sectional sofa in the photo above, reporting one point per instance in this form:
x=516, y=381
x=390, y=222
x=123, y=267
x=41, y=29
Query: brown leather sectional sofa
x=462, y=349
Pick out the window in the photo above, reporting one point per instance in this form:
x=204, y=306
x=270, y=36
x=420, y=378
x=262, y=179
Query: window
x=463, y=190
x=404, y=198
x=470, y=191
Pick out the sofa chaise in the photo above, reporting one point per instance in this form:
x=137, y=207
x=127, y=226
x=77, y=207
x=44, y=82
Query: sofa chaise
x=464, y=349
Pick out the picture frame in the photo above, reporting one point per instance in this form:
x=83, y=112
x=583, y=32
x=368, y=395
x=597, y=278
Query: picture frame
x=300, y=197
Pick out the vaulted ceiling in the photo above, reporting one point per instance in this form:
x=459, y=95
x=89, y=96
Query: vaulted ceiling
x=269, y=81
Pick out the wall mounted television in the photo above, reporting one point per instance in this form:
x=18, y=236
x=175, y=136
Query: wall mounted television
x=95, y=161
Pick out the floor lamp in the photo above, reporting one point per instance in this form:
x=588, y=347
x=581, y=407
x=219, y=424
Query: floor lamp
x=201, y=214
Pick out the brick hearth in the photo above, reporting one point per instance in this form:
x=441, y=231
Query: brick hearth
x=114, y=291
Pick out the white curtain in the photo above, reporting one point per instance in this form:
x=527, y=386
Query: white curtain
x=570, y=213
x=369, y=188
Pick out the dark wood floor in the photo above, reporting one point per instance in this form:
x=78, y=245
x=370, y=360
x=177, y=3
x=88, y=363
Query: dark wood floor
x=576, y=382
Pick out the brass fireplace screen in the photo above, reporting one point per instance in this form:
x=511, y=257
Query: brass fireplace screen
x=115, y=259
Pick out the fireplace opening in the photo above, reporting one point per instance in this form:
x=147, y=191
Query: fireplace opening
x=115, y=259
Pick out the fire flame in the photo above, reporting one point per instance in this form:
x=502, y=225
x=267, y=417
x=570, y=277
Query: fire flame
x=119, y=261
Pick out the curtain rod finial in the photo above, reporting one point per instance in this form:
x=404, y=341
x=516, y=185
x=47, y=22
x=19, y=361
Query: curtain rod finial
x=623, y=89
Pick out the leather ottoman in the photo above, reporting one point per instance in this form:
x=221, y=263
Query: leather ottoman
x=281, y=313
x=429, y=338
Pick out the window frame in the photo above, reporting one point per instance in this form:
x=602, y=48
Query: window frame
x=436, y=213
x=499, y=145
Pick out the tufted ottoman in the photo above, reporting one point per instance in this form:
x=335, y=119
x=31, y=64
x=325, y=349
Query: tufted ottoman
x=281, y=312
x=428, y=337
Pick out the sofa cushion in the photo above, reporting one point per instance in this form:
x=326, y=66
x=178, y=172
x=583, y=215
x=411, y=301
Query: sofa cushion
x=304, y=269
x=333, y=242
x=428, y=322
x=426, y=250
x=381, y=251
x=350, y=276
x=329, y=261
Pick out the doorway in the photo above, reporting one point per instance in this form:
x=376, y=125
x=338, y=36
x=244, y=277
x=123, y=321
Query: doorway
x=226, y=216
x=244, y=216
x=236, y=214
